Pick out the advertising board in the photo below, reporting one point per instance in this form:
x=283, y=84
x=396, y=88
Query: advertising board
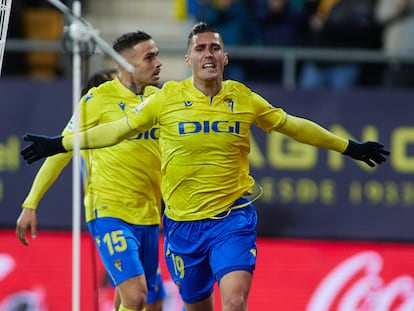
x=291, y=274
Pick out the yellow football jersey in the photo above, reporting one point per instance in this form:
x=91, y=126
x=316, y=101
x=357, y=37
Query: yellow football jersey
x=205, y=142
x=123, y=180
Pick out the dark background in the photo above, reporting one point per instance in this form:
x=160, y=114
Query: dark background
x=384, y=211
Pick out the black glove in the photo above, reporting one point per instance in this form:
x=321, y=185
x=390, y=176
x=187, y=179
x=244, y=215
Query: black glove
x=41, y=147
x=370, y=152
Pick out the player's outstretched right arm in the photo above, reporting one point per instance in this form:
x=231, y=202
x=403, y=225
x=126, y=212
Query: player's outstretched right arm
x=42, y=147
x=45, y=177
x=104, y=135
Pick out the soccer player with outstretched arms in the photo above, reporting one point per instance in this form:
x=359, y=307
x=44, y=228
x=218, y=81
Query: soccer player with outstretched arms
x=209, y=223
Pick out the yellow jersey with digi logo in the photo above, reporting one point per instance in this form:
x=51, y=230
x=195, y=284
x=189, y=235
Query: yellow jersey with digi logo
x=205, y=142
x=123, y=180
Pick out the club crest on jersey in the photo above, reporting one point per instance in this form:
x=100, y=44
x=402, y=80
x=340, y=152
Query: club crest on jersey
x=122, y=106
x=230, y=104
x=188, y=103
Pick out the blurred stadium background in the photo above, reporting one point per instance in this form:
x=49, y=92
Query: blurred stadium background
x=333, y=235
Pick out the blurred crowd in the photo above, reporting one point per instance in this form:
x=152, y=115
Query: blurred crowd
x=382, y=25
x=347, y=25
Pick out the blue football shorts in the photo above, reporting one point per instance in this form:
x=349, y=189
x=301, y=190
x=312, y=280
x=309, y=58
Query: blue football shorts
x=199, y=253
x=127, y=251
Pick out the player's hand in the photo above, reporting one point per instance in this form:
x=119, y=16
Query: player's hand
x=370, y=152
x=41, y=147
x=27, y=220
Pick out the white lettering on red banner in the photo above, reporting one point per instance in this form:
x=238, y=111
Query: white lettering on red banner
x=356, y=284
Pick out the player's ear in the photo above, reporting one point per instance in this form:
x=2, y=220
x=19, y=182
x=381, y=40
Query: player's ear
x=226, y=58
x=187, y=60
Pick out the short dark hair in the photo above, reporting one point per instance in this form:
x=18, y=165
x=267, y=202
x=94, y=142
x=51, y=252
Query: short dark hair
x=129, y=39
x=98, y=78
x=200, y=27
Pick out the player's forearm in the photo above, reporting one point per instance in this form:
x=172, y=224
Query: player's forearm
x=309, y=132
x=104, y=135
x=45, y=177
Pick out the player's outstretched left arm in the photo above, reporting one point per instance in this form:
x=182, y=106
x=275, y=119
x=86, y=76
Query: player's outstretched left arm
x=309, y=132
x=370, y=152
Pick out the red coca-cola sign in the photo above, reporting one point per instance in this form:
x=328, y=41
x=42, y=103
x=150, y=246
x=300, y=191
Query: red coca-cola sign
x=357, y=284
x=333, y=276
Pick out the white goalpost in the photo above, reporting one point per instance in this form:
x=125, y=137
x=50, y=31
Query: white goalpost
x=5, y=7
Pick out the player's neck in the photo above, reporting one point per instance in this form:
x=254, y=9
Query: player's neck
x=208, y=88
x=136, y=88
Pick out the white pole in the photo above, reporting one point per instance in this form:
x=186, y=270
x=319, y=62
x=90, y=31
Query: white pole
x=76, y=193
x=5, y=8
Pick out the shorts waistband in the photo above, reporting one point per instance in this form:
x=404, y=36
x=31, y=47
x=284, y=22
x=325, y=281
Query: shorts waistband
x=239, y=203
